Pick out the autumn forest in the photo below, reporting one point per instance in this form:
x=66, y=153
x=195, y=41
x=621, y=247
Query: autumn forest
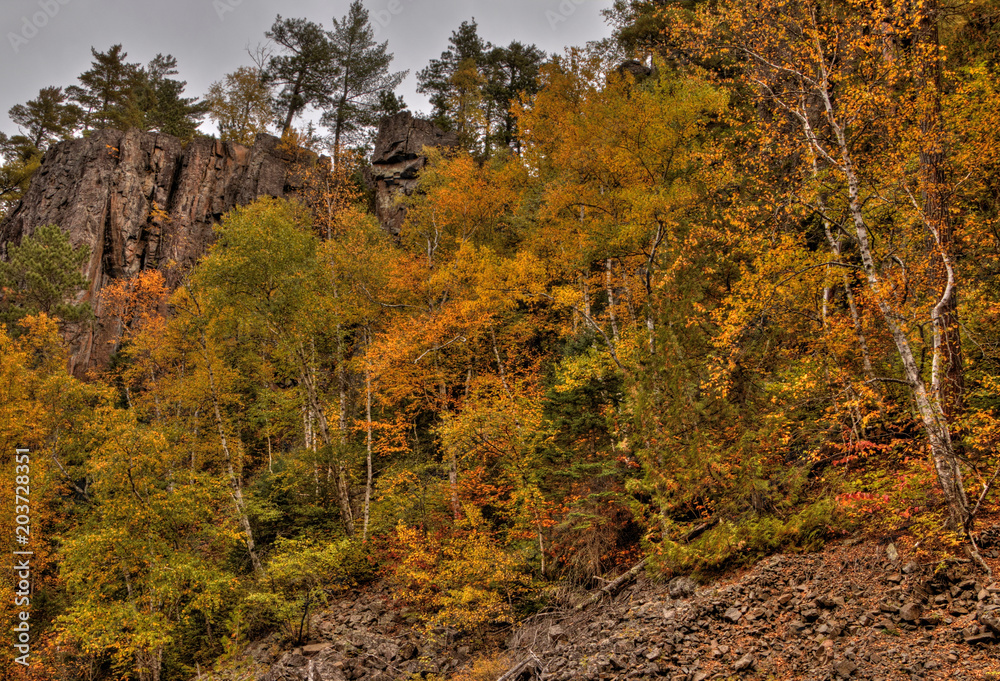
x=721, y=286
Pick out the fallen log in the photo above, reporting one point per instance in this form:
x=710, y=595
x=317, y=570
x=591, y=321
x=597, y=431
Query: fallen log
x=614, y=586
x=699, y=530
x=515, y=671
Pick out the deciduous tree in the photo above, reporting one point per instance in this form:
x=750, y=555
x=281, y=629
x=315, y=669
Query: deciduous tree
x=240, y=105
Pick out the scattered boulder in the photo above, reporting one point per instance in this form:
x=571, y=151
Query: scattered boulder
x=911, y=612
x=845, y=668
x=682, y=587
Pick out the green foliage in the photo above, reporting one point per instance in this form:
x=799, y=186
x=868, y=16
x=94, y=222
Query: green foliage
x=304, y=71
x=240, y=105
x=363, y=80
x=115, y=93
x=161, y=100
x=42, y=274
x=732, y=544
x=20, y=160
x=473, y=85
x=301, y=575
x=48, y=118
x=263, y=262
x=435, y=80
x=106, y=91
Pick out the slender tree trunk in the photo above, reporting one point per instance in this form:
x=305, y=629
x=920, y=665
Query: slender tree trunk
x=342, y=487
x=293, y=106
x=541, y=545
x=234, y=479
x=947, y=374
x=341, y=117
x=368, y=434
x=647, y=282
x=270, y=459
x=456, y=507
x=609, y=288
x=150, y=663
x=928, y=405
x=837, y=249
x=343, y=494
x=307, y=435
x=336, y=142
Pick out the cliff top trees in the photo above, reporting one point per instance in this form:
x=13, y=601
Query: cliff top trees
x=435, y=80
x=46, y=119
x=240, y=105
x=343, y=71
x=473, y=85
x=363, y=77
x=115, y=93
x=510, y=72
x=161, y=101
x=106, y=90
x=306, y=69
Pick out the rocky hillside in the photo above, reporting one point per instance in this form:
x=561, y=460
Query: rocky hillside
x=858, y=610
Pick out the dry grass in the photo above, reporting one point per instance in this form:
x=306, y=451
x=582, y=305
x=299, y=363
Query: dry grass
x=487, y=668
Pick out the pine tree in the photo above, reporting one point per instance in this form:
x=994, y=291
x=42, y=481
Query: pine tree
x=107, y=90
x=638, y=24
x=160, y=99
x=510, y=72
x=42, y=274
x=306, y=72
x=46, y=119
x=363, y=77
x=21, y=160
x=436, y=80
x=494, y=77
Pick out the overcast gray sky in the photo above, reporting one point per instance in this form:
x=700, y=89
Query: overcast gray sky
x=47, y=42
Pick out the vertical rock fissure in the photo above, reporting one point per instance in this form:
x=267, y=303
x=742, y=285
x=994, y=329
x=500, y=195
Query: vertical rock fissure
x=102, y=190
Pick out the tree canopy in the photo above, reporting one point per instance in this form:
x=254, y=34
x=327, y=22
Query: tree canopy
x=720, y=286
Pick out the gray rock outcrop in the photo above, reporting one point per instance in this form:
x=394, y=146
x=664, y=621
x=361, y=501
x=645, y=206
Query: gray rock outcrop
x=141, y=201
x=398, y=160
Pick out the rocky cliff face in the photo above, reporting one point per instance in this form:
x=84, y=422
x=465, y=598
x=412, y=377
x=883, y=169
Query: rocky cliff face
x=145, y=201
x=139, y=201
x=397, y=161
